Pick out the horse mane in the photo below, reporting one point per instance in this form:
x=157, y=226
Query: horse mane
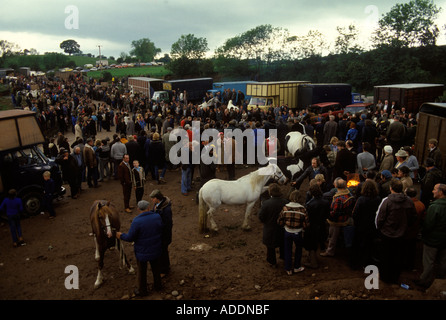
x=254, y=181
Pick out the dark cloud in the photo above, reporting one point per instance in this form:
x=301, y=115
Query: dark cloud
x=164, y=21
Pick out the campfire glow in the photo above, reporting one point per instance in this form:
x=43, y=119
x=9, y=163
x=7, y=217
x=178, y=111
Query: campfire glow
x=352, y=183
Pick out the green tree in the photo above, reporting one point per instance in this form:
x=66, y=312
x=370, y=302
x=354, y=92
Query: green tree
x=190, y=47
x=346, y=40
x=70, y=46
x=7, y=49
x=182, y=67
x=54, y=60
x=165, y=59
x=407, y=25
x=263, y=42
x=144, y=50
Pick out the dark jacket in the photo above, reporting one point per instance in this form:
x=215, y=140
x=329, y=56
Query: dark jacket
x=124, y=174
x=49, y=188
x=164, y=209
x=431, y=178
x=70, y=169
x=345, y=161
x=395, y=214
x=133, y=150
x=268, y=215
x=364, y=214
x=310, y=173
x=157, y=153
x=145, y=231
x=318, y=210
x=437, y=156
x=434, y=225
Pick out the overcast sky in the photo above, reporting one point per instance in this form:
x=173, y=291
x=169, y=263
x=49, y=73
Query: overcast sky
x=44, y=24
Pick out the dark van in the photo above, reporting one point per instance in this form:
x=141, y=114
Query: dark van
x=22, y=162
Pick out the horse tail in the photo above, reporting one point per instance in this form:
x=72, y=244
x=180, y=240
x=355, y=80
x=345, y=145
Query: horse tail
x=202, y=212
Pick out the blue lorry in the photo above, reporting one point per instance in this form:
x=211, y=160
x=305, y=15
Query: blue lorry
x=237, y=85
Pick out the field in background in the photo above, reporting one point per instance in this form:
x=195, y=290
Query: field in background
x=144, y=71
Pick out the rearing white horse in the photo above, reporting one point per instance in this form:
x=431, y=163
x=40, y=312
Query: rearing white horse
x=245, y=190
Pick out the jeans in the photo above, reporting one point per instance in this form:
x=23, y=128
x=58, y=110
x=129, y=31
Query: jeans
x=186, y=180
x=14, y=226
x=157, y=175
x=291, y=238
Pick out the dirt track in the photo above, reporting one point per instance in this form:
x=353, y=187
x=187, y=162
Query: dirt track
x=231, y=265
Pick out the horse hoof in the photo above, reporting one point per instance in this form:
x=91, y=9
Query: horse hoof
x=97, y=284
x=246, y=228
x=131, y=270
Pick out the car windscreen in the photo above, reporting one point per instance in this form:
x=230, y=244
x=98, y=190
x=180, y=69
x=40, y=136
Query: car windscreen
x=261, y=102
x=28, y=157
x=353, y=110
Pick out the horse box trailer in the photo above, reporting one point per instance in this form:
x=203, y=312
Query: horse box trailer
x=272, y=94
x=22, y=162
x=195, y=88
x=431, y=124
x=314, y=93
x=410, y=95
x=144, y=85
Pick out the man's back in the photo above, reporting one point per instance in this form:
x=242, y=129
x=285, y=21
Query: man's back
x=395, y=214
x=145, y=231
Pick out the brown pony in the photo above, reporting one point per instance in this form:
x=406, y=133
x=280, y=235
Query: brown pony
x=104, y=218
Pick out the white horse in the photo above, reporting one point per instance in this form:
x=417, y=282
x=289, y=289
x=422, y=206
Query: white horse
x=245, y=190
x=231, y=105
x=211, y=102
x=297, y=142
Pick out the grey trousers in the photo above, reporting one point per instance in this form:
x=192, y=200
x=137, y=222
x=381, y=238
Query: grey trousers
x=430, y=256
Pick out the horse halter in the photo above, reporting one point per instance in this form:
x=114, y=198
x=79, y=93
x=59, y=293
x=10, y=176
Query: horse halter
x=102, y=227
x=277, y=177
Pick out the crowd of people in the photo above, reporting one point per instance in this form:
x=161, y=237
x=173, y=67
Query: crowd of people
x=380, y=218
x=380, y=209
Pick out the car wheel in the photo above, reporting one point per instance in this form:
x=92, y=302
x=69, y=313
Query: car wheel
x=32, y=202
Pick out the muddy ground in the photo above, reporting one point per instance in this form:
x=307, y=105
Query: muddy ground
x=228, y=265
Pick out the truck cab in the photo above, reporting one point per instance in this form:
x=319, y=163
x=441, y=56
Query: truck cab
x=22, y=161
x=161, y=96
x=356, y=98
x=262, y=102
